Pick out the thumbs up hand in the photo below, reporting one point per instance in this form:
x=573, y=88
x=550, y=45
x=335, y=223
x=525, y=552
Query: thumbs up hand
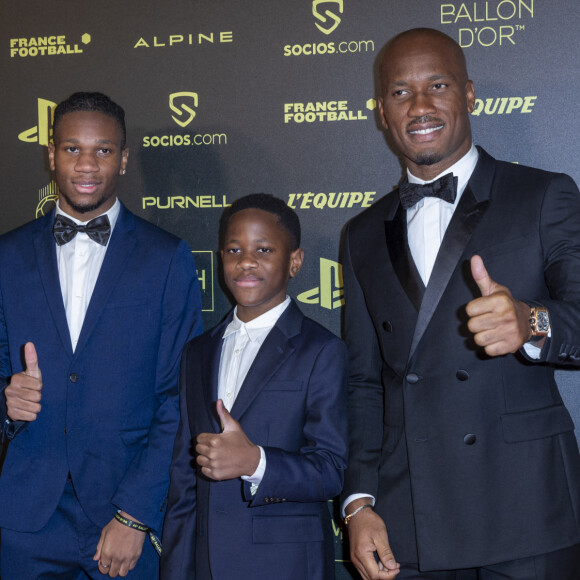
x=498, y=321
x=23, y=394
x=229, y=454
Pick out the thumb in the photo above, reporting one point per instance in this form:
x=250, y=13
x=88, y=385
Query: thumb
x=31, y=359
x=97, y=555
x=227, y=421
x=483, y=280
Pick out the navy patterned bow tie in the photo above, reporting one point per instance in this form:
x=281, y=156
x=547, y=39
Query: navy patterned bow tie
x=64, y=229
x=444, y=188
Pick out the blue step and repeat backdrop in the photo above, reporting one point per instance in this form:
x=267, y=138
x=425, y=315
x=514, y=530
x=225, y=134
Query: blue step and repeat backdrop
x=225, y=98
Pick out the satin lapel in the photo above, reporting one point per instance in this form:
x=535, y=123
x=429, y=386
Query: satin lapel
x=45, y=248
x=272, y=354
x=401, y=258
x=210, y=368
x=117, y=258
x=465, y=219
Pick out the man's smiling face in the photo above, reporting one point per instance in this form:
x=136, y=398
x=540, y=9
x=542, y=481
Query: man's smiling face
x=426, y=100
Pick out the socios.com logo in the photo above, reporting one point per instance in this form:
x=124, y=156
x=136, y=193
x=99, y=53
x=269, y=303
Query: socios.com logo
x=330, y=293
x=181, y=104
x=328, y=20
x=40, y=133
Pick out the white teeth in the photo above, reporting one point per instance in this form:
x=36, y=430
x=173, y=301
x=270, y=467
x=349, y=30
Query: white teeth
x=426, y=131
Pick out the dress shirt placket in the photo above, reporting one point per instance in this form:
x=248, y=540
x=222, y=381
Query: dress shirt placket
x=78, y=291
x=240, y=342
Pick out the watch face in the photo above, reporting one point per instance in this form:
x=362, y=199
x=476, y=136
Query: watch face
x=543, y=321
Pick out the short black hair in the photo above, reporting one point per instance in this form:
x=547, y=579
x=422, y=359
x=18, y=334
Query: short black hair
x=287, y=217
x=96, y=102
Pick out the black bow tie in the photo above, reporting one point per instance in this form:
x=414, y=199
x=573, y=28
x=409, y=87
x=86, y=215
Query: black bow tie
x=444, y=188
x=64, y=229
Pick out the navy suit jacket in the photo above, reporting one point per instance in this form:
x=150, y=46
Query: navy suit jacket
x=472, y=459
x=110, y=409
x=293, y=403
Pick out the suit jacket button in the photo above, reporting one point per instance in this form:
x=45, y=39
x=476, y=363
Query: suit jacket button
x=412, y=378
x=387, y=326
x=462, y=375
x=469, y=439
x=73, y=378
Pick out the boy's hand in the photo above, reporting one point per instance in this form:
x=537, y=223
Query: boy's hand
x=229, y=454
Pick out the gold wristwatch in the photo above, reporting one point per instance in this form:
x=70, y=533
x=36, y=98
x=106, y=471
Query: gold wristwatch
x=539, y=323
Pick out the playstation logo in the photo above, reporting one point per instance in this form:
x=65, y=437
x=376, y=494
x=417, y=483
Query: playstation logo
x=41, y=133
x=330, y=293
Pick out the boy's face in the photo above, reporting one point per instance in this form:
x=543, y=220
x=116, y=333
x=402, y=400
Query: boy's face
x=258, y=261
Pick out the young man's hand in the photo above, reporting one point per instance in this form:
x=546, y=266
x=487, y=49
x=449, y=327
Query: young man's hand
x=119, y=548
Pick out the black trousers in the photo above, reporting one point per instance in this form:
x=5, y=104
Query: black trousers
x=559, y=565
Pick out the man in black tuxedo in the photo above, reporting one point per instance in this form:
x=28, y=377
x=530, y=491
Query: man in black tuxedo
x=463, y=460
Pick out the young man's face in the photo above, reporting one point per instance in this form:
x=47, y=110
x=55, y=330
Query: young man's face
x=425, y=103
x=258, y=261
x=87, y=158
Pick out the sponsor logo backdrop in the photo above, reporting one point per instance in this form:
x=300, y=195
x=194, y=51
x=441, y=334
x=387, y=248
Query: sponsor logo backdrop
x=228, y=98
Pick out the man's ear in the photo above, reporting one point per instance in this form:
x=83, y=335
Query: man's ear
x=296, y=259
x=382, y=114
x=51, y=156
x=124, y=160
x=470, y=94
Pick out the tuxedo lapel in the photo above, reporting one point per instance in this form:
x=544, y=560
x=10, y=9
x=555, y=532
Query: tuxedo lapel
x=45, y=248
x=118, y=254
x=401, y=258
x=467, y=215
x=272, y=354
x=210, y=369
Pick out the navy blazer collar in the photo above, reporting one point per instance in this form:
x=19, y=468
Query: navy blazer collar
x=277, y=347
x=119, y=249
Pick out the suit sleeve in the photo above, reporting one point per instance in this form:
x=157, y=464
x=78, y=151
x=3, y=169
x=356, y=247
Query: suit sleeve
x=365, y=390
x=178, y=554
x=142, y=492
x=315, y=472
x=5, y=372
x=8, y=429
x=560, y=239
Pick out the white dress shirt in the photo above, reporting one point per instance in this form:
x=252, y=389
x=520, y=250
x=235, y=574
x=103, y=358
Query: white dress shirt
x=428, y=219
x=241, y=343
x=79, y=263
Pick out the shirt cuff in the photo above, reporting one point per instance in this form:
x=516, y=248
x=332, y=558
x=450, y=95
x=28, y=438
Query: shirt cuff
x=256, y=478
x=534, y=351
x=352, y=497
x=11, y=428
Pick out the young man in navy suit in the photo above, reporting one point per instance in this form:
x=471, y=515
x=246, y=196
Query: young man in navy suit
x=95, y=307
x=263, y=405
x=462, y=291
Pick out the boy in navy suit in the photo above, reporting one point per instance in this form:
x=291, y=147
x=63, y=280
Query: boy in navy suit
x=272, y=450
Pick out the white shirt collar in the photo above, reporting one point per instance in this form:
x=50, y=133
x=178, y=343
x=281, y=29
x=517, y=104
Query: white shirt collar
x=462, y=169
x=256, y=327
